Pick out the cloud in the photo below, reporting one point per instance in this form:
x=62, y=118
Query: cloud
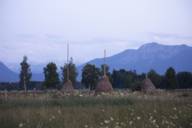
x=42, y=49
x=171, y=38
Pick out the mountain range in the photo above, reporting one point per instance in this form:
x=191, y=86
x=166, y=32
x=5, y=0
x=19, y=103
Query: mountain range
x=6, y=75
x=149, y=56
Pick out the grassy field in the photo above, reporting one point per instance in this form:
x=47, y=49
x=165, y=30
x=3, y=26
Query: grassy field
x=122, y=109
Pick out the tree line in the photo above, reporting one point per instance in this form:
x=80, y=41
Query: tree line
x=91, y=74
x=169, y=80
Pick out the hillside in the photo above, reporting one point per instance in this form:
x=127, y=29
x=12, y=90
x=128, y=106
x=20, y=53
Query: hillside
x=150, y=56
x=6, y=75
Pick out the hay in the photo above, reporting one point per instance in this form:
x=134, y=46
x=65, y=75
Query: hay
x=68, y=86
x=104, y=85
x=147, y=86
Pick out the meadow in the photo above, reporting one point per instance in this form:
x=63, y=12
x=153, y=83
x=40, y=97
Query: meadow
x=82, y=109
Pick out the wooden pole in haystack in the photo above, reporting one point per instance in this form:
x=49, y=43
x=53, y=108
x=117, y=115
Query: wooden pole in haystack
x=25, y=86
x=104, y=84
x=68, y=85
x=34, y=92
x=5, y=95
x=104, y=73
x=67, y=61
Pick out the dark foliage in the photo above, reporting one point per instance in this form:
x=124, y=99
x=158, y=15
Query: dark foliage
x=184, y=79
x=72, y=72
x=90, y=76
x=25, y=74
x=170, y=79
x=155, y=78
x=125, y=79
x=51, y=76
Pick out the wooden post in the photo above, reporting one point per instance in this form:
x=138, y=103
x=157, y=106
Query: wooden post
x=104, y=70
x=24, y=82
x=67, y=62
x=5, y=95
x=34, y=92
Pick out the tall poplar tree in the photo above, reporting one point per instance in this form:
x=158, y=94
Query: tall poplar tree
x=25, y=74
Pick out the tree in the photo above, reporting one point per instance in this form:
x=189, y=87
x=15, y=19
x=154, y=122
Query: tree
x=90, y=76
x=184, y=79
x=51, y=76
x=72, y=72
x=123, y=78
x=25, y=74
x=170, y=78
x=155, y=78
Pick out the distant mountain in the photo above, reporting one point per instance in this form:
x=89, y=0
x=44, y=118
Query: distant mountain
x=150, y=56
x=37, y=76
x=6, y=75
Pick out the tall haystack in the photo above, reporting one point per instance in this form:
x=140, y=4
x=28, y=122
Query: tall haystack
x=147, y=85
x=104, y=84
x=68, y=86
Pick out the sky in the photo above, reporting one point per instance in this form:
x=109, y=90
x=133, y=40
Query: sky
x=41, y=29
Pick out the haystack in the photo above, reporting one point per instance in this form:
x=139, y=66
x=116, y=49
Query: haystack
x=104, y=85
x=147, y=85
x=68, y=86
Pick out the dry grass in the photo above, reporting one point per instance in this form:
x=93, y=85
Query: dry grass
x=122, y=109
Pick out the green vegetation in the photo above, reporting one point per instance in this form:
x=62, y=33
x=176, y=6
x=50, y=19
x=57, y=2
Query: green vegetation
x=90, y=76
x=25, y=74
x=155, y=78
x=120, y=79
x=121, y=109
x=51, y=76
x=126, y=79
x=184, y=79
x=170, y=78
x=72, y=72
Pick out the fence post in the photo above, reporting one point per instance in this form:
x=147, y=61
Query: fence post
x=5, y=95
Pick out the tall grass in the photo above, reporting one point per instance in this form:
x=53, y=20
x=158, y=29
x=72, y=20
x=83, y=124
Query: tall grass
x=133, y=111
x=70, y=101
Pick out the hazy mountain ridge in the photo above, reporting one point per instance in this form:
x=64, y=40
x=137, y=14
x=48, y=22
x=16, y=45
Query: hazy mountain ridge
x=149, y=56
x=6, y=75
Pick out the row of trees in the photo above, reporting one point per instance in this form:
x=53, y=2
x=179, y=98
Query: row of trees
x=169, y=80
x=51, y=76
x=119, y=78
x=90, y=74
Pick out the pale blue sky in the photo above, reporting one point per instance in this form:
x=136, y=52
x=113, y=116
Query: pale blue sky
x=40, y=28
